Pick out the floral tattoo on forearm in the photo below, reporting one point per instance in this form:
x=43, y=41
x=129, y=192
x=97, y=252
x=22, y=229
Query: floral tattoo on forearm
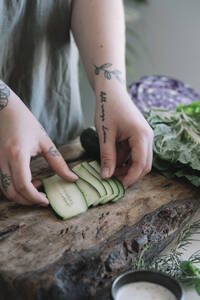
x=108, y=74
x=5, y=180
x=4, y=94
x=103, y=100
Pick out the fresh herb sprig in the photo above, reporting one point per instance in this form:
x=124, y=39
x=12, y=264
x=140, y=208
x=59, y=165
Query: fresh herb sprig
x=183, y=270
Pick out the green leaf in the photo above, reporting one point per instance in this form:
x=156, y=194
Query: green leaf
x=197, y=286
x=191, y=109
x=188, y=268
x=177, y=142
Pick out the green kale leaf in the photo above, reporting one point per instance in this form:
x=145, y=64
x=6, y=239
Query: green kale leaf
x=177, y=141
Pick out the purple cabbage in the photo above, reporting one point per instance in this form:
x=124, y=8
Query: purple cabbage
x=161, y=91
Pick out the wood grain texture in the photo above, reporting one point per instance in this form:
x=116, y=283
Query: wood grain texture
x=42, y=257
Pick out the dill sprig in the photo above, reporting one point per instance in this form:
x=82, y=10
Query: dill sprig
x=172, y=263
x=185, y=237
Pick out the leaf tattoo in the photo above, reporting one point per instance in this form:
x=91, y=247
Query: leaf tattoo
x=109, y=73
x=4, y=94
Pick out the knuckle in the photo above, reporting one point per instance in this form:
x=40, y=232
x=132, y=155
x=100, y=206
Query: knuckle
x=148, y=169
x=21, y=187
x=14, y=150
x=151, y=133
x=107, y=158
x=147, y=132
x=139, y=164
x=142, y=165
x=12, y=195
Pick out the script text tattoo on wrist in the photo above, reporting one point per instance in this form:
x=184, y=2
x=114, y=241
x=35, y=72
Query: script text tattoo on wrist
x=104, y=129
x=4, y=94
x=103, y=97
x=108, y=74
x=5, y=180
x=103, y=100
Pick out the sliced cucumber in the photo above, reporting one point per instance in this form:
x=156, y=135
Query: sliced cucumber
x=91, y=194
x=109, y=190
x=121, y=189
x=95, y=164
x=70, y=199
x=89, y=178
x=65, y=197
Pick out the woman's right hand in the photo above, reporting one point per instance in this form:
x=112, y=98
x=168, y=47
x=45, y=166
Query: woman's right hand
x=22, y=137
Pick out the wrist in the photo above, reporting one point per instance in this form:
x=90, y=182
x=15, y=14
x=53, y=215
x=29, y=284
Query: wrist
x=107, y=76
x=110, y=87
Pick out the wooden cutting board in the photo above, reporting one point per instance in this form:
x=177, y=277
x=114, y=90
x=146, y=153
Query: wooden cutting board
x=43, y=257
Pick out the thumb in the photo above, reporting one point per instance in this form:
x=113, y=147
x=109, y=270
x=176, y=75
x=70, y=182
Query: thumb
x=108, y=156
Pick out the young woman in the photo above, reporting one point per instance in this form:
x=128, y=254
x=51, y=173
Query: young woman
x=39, y=89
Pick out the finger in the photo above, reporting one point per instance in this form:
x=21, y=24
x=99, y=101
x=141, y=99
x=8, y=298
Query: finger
x=108, y=154
x=148, y=162
x=37, y=183
x=122, y=153
x=123, y=170
x=21, y=175
x=138, y=157
x=7, y=187
x=57, y=162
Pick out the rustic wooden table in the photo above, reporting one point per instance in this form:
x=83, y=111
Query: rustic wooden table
x=43, y=257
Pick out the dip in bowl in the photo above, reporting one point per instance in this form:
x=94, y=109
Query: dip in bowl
x=147, y=285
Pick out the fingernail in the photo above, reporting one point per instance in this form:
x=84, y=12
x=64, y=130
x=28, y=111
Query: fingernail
x=45, y=200
x=71, y=174
x=105, y=173
x=74, y=176
x=125, y=185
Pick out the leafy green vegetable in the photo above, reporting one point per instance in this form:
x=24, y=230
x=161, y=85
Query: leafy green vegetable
x=191, y=109
x=177, y=141
x=197, y=286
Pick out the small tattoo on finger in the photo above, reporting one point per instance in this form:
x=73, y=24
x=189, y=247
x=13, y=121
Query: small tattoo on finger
x=53, y=151
x=5, y=180
x=4, y=94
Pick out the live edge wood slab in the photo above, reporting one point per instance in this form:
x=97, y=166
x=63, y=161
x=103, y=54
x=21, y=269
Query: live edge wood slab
x=43, y=257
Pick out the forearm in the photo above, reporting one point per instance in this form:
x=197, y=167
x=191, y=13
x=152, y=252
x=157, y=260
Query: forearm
x=99, y=31
x=4, y=95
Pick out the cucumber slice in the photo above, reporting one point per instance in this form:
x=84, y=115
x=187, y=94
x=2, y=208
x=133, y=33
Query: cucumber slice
x=89, y=178
x=91, y=194
x=95, y=164
x=121, y=189
x=109, y=190
x=65, y=198
x=118, y=187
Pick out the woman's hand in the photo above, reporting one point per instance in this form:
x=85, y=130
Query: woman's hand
x=125, y=136
x=21, y=137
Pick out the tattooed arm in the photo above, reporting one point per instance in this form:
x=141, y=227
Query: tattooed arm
x=21, y=137
x=99, y=31
x=98, y=27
